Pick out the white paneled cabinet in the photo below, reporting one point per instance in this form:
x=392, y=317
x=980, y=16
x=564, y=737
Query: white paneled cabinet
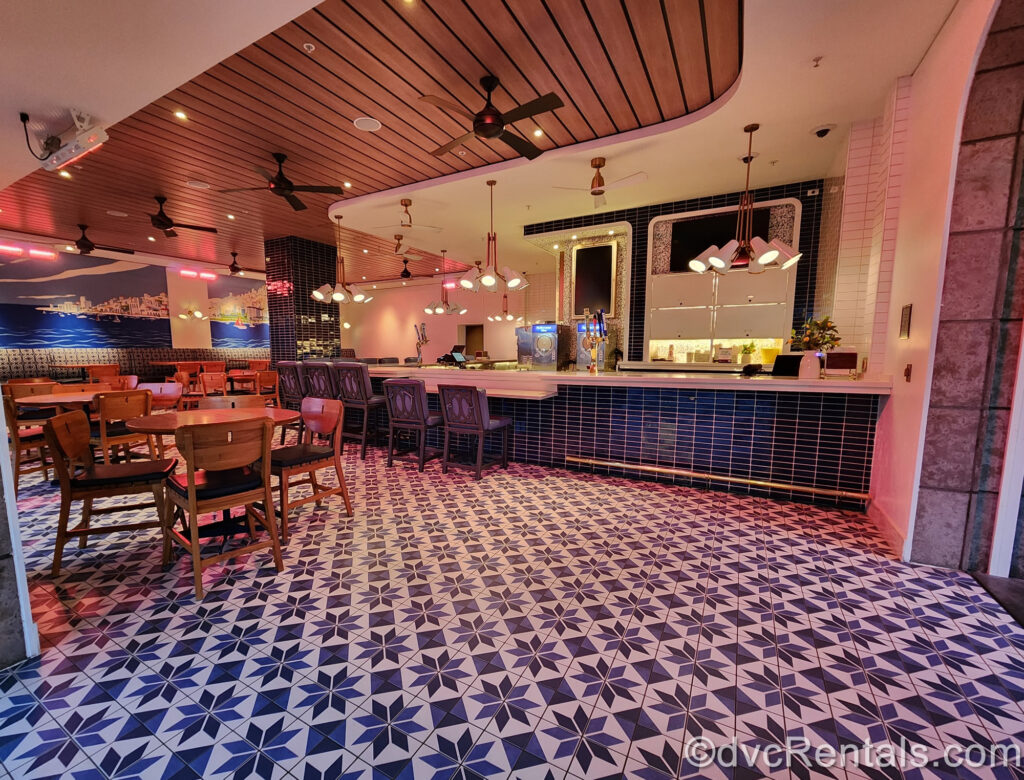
x=739, y=287
x=681, y=323
x=751, y=321
x=680, y=290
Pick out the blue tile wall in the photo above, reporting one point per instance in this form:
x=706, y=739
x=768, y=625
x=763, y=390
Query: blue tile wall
x=640, y=218
x=821, y=440
x=299, y=326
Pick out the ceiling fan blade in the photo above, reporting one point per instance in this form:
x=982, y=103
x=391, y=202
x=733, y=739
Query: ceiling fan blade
x=122, y=250
x=443, y=150
x=406, y=226
x=548, y=102
x=170, y=233
x=263, y=172
x=195, y=227
x=243, y=189
x=447, y=105
x=628, y=181
x=600, y=200
x=318, y=188
x=521, y=145
x=571, y=189
x=295, y=203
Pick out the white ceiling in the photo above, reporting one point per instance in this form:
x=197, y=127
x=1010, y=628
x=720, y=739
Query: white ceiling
x=865, y=46
x=112, y=57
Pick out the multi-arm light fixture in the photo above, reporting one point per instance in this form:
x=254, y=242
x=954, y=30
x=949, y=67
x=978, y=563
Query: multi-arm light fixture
x=444, y=306
x=340, y=292
x=504, y=316
x=746, y=250
x=488, y=277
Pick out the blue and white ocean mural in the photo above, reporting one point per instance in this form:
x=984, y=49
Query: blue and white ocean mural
x=238, y=313
x=81, y=302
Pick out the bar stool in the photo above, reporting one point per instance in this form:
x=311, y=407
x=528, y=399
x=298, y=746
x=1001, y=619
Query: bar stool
x=355, y=391
x=319, y=380
x=465, y=412
x=408, y=411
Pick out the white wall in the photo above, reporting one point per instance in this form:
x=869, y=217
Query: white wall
x=384, y=327
x=185, y=294
x=938, y=96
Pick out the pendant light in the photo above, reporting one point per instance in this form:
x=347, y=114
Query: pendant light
x=340, y=292
x=444, y=306
x=746, y=250
x=504, y=316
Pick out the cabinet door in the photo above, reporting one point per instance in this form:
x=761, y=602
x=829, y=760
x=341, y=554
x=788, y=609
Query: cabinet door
x=738, y=287
x=759, y=322
x=680, y=323
x=679, y=290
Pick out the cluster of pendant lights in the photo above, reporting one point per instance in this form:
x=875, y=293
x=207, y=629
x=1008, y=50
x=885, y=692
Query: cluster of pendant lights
x=341, y=292
x=746, y=250
x=443, y=305
x=488, y=276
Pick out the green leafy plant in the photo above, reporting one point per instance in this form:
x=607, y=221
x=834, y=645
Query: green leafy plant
x=748, y=349
x=817, y=335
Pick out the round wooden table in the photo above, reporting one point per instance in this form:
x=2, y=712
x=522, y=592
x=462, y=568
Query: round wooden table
x=69, y=400
x=169, y=422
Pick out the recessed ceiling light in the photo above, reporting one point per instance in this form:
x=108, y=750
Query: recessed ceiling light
x=366, y=252
x=611, y=232
x=181, y=115
x=347, y=184
x=538, y=133
x=113, y=213
x=364, y=278
x=231, y=216
x=64, y=175
x=198, y=185
x=151, y=238
x=309, y=47
x=367, y=124
x=70, y=248
x=403, y=284
x=555, y=246
x=436, y=270
x=374, y=287
x=573, y=236
x=346, y=325
x=462, y=152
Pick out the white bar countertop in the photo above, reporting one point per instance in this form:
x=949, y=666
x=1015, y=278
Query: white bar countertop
x=536, y=385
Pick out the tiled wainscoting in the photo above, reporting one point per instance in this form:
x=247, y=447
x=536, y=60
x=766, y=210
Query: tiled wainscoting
x=820, y=440
x=57, y=363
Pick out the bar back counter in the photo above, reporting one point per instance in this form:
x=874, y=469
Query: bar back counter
x=788, y=438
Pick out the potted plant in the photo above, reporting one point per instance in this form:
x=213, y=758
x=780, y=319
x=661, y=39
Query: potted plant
x=747, y=353
x=814, y=338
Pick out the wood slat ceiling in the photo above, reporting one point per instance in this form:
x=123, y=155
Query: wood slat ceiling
x=617, y=64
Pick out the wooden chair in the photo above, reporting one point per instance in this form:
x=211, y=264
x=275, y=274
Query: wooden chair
x=267, y=386
x=26, y=437
x=30, y=380
x=191, y=369
x=30, y=415
x=232, y=402
x=81, y=479
x=125, y=382
x=81, y=387
x=465, y=412
x=323, y=417
x=355, y=391
x=109, y=432
x=227, y=465
x=102, y=372
x=408, y=411
x=188, y=397
x=215, y=367
x=214, y=383
x=166, y=396
x=259, y=365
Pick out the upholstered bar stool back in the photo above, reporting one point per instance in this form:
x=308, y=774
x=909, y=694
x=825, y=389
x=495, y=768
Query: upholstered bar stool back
x=465, y=412
x=290, y=390
x=319, y=378
x=356, y=392
x=408, y=410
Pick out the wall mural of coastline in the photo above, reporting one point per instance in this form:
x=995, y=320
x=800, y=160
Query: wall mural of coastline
x=238, y=313
x=83, y=302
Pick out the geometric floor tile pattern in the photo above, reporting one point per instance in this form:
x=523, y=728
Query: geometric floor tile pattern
x=537, y=624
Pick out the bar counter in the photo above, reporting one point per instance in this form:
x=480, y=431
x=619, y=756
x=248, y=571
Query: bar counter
x=784, y=437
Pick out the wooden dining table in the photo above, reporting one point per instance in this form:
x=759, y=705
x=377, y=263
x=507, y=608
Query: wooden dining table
x=166, y=424
x=61, y=400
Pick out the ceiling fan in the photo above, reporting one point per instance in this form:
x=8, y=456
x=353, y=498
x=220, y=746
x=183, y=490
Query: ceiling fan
x=405, y=221
x=490, y=123
x=162, y=222
x=85, y=246
x=281, y=185
x=598, y=187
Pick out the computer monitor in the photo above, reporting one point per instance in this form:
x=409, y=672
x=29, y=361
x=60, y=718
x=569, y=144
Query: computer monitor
x=458, y=352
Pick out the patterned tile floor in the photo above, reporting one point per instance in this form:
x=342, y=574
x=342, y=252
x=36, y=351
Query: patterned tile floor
x=538, y=624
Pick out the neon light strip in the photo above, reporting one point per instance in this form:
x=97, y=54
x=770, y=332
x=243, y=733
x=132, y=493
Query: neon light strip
x=42, y=254
x=188, y=273
x=10, y=249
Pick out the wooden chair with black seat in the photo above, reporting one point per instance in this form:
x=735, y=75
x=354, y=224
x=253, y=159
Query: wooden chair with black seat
x=322, y=417
x=213, y=383
x=267, y=386
x=232, y=402
x=188, y=397
x=18, y=390
x=125, y=382
x=82, y=479
x=215, y=366
x=191, y=370
x=109, y=432
x=103, y=372
x=227, y=466
x=166, y=396
x=28, y=445
x=258, y=365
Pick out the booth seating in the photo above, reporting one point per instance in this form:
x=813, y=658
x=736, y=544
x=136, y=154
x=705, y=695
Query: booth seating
x=465, y=412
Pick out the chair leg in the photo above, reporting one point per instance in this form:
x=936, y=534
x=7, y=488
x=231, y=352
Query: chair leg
x=17, y=470
x=343, y=485
x=62, y=534
x=444, y=457
x=83, y=541
x=166, y=520
x=159, y=446
x=197, y=561
x=504, y=447
x=152, y=447
x=284, y=506
x=423, y=447
x=271, y=524
x=317, y=488
x=391, y=443
x=366, y=423
x=480, y=454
